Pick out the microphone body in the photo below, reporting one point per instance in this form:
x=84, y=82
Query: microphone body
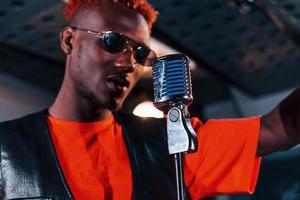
x=171, y=81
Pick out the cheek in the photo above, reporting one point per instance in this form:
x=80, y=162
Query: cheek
x=92, y=73
x=98, y=63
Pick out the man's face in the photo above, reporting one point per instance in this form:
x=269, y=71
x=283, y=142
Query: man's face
x=102, y=78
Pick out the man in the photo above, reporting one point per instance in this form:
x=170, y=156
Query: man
x=80, y=148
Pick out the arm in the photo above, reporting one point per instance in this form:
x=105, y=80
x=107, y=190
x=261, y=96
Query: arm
x=280, y=129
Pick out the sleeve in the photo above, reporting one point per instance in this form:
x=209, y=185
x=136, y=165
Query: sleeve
x=226, y=161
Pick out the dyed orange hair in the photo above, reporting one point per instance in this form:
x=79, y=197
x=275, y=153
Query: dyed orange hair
x=142, y=6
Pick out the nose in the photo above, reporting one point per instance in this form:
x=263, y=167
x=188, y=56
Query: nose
x=125, y=61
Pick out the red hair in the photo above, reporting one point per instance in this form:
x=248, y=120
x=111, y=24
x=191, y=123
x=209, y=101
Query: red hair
x=142, y=6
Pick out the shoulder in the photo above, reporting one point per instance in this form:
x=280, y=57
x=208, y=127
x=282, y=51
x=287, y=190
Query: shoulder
x=227, y=125
x=234, y=121
x=20, y=122
x=23, y=136
x=23, y=128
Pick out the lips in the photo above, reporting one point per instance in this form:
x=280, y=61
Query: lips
x=118, y=83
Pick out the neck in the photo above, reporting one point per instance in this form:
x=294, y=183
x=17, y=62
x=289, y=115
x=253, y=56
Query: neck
x=61, y=111
x=69, y=105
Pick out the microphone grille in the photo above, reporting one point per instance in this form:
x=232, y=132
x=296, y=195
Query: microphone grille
x=171, y=80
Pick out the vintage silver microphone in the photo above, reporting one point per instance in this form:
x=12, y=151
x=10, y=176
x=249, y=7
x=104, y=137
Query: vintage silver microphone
x=172, y=95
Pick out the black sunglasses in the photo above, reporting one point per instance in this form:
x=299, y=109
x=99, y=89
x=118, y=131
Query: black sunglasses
x=115, y=42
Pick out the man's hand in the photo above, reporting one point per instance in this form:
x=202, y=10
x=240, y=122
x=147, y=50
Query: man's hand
x=280, y=129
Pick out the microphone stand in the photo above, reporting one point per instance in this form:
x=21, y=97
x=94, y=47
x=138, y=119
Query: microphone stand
x=179, y=176
x=181, y=139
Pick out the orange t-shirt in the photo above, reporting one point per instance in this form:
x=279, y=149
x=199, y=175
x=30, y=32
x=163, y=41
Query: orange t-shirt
x=96, y=165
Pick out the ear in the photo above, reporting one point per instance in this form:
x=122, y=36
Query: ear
x=67, y=39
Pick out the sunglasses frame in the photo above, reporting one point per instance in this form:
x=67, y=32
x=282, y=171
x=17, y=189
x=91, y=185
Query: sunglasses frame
x=127, y=41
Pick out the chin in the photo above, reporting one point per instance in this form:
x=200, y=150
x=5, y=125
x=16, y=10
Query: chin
x=111, y=103
x=115, y=104
x=115, y=107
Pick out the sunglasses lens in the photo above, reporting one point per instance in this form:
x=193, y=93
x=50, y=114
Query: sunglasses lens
x=114, y=42
x=141, y=54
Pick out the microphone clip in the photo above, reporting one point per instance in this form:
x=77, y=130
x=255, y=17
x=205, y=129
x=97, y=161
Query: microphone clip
x=180, y=133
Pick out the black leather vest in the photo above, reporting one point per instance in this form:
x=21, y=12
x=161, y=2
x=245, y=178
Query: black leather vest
x=30, y=169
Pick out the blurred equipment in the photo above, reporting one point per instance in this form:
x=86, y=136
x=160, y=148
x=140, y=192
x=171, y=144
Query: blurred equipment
x=282, y=18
